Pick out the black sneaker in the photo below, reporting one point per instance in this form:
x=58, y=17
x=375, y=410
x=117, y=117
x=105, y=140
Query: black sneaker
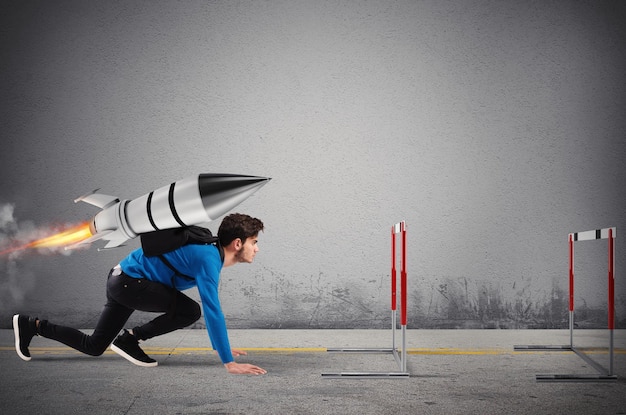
x=25, y=329
x=127, y=346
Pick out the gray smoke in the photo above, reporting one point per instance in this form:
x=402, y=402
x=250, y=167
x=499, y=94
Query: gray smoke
x=14, y=283
x=6, y=220
x=16, y=279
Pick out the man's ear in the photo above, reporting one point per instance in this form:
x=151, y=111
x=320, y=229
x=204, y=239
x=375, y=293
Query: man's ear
x=237, y=244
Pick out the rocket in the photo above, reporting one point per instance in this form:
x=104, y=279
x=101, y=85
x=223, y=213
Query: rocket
x=191, y=201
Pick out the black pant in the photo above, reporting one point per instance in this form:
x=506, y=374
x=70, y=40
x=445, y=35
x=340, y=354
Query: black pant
x=125, y=295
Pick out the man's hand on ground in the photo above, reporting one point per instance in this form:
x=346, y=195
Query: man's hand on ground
x=244, y=369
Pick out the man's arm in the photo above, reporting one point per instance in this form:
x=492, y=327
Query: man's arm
x=207, y=281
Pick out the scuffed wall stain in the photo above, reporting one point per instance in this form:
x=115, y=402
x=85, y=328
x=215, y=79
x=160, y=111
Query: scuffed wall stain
x=315, y=301
x=275, y=300
x=465, y=303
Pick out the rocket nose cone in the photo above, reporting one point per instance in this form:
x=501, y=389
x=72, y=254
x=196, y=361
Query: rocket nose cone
x=215, y=183
x=222, y=192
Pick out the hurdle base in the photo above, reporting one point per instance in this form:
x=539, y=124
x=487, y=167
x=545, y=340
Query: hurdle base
x=366, y=375
x=603, y=376
x=541, y=347
x=576, y=378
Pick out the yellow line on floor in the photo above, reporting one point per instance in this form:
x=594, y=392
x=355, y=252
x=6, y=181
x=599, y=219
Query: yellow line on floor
x=291, y=350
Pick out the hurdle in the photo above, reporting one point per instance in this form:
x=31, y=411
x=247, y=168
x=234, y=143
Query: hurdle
x=603, y=374
x=400, y=355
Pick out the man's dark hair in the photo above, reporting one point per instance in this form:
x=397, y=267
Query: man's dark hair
x=238, y=225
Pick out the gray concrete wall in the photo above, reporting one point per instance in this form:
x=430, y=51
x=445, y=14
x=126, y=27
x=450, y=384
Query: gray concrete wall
x=494, y=128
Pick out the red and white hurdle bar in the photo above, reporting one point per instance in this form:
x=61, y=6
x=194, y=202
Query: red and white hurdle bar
x=603, y=374
x=400, y=356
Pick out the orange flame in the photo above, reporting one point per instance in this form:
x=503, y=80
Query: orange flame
x=65, y=238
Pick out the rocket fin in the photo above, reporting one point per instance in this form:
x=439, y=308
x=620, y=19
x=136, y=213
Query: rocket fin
x=114, y=243
x=98, y=199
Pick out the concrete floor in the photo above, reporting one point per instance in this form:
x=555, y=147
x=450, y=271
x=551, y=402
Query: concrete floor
x=451, y=372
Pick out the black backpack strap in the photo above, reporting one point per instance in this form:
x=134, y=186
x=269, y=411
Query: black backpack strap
x=220, y=249
x=176, y=272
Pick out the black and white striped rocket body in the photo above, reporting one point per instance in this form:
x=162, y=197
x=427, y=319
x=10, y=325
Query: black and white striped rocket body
x=191, y=201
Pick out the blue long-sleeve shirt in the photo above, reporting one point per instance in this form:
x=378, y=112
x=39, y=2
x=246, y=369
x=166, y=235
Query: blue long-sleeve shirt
x=203, y=263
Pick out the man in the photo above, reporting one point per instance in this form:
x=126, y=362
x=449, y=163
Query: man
x=148, y=284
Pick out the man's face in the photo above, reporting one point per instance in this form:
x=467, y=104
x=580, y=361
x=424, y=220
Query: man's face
x=248, y=250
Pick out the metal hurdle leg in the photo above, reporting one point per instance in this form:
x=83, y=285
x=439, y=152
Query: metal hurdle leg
x=603, y=374
x=399, y=356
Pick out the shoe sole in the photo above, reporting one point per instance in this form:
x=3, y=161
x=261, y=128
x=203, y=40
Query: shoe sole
x=16, y=331
x=132, y=359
